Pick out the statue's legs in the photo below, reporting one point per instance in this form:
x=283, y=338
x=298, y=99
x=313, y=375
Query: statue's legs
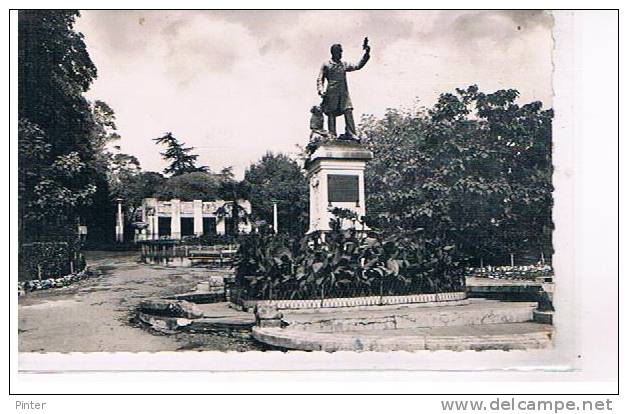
x=331, y=124
x=349, y=123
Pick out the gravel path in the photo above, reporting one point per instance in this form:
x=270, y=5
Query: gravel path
x=96, y=314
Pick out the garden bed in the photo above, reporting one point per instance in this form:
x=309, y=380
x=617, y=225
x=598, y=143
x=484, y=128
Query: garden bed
x=32, y=285
x=536, y=272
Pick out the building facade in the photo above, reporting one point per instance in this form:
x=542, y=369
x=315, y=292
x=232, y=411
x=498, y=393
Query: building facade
x=175, y=219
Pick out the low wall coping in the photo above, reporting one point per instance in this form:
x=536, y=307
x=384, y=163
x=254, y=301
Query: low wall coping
x=357, y=301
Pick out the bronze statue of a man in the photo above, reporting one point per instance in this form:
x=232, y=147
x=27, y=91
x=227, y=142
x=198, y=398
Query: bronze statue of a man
x=336, y=99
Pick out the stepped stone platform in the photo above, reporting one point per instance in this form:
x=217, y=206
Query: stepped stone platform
x=523, y=290
x=215, y=316
x=510, y=336
x=473, y=324
x=470, y=312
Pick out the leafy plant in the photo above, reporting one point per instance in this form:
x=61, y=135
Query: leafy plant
x=42, y=260
x=263, y=262
x=276, y=178
x=474, y=170
x=346, y=263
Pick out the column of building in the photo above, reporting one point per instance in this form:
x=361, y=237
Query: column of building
x=175, y=220
x=198, y=218
x=119, y=223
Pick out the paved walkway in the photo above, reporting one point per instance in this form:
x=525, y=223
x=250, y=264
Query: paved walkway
x=472, y=312
x=95, y=314
x=504, y=336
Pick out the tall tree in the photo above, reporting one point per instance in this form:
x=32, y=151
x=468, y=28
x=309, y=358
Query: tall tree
x=56, y=122
x=232, y=191
x=276, y=178
x=474, y=170
x=107, y=165
x=46, y=202
x=180, y=157
x=191, y=186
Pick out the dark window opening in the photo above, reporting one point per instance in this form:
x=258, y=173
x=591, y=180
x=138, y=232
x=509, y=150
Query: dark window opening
x=187, y=226
x=209, y=225
x=164, y=226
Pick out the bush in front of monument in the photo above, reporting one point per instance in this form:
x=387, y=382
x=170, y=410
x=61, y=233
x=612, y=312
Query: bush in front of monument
x=346, y=263
x=264, y=264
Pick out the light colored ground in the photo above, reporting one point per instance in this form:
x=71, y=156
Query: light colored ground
x=505, y=336
x=94, y=314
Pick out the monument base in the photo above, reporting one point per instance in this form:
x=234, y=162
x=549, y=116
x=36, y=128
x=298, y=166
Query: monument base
x=335, y=171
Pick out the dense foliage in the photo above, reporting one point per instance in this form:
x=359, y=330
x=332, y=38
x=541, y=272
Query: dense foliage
x=42, y=260
x=46, y=193
x=345, y=263
x=474, y=170
x=58, y=165
x=190, y=186
x=65, y=169
x=135, y=187
x=276, y=178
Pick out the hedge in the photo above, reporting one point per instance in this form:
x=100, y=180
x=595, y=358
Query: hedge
x=346, y=263
x=42, y=260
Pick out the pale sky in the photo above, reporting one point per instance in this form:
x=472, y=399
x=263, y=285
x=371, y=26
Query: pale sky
x=235, y=84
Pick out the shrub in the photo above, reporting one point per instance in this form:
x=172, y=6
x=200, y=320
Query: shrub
x=48, y=260
x=346, y=263
x=264, y=264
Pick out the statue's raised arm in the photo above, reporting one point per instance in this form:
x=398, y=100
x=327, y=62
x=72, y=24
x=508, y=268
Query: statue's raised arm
x=365, y=57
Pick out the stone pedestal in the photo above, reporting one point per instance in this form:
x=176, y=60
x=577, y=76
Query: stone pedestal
x=335, y=172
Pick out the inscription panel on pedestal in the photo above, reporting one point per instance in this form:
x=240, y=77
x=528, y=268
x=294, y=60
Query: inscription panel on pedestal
x=343, y=188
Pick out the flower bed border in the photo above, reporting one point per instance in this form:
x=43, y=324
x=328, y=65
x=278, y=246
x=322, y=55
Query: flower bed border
x=247, y=304
x=33, y=285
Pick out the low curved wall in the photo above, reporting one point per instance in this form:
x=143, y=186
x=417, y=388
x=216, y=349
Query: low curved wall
x=359, y=301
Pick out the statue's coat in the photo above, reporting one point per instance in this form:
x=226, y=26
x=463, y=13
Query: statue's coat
x=336, y=98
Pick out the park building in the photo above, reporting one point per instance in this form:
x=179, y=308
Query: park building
x=175, y=219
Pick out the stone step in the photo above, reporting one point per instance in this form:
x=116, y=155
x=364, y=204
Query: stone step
x=503, y=336
x=214, y=316
x=474, y=312
x=543, y=316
